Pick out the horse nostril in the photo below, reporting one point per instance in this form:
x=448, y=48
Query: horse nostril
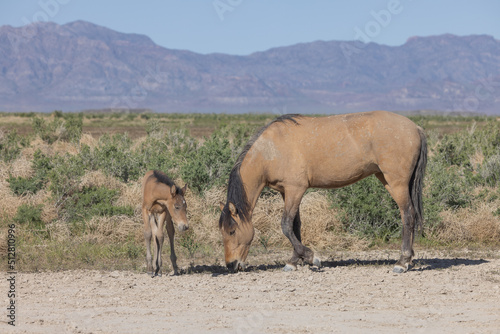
x=185, y=227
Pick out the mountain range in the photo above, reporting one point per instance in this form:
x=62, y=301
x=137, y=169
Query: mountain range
x=80, y=65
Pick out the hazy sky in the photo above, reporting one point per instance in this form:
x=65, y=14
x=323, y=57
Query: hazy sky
x=246, y=26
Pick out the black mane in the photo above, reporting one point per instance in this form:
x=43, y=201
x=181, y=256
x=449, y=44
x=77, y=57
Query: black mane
x=235, y=191
x=163, y=178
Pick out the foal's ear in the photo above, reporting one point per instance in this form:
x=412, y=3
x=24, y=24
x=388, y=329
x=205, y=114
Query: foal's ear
x=221, y=205
x=183, y=190
x=173, y=190
x=233, y=209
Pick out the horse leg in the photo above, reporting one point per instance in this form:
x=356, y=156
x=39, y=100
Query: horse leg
x=290, y=224
x=159, y=238
x=296, y=229
x=147, y=238
x=401, y=194
x=171, y=233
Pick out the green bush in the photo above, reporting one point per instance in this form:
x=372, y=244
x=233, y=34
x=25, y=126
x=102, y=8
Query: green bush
x=115, y=157
x=22, y=185
x=11, y=144
x=64, y=177
x=90, y=201
x=42, y=164
x=448, y=186
x=490, y=171
x=209, y=165
x=367, y=209
x=167, y=152
x=68, y=128
x=31, y=216
x=72, y=130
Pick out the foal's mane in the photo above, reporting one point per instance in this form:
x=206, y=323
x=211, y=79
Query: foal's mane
x=235, y=190
x=163, y=178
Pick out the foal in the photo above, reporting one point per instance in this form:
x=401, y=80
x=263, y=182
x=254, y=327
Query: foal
x=162, y=202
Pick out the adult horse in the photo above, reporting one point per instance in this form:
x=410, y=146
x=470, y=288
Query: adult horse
x=294, y=153
x=162, y=204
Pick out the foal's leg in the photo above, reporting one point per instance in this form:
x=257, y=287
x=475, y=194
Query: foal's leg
x=290, y=224
x=159, y=237
x=171, y=232
x=146, y=216
x=401, y=194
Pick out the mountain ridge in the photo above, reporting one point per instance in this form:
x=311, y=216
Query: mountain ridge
x=80, y=65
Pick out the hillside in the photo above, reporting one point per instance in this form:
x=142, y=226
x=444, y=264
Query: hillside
x=80, y=65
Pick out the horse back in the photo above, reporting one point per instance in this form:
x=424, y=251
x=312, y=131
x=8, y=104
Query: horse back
x=335, y=151
x=153, y=190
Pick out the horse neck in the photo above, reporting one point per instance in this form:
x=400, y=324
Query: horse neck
x=253, y=183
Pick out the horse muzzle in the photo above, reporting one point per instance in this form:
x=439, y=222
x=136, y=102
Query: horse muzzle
x=182, y=227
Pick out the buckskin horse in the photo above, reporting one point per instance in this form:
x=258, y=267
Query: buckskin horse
x=294, y=153
x=163, y=203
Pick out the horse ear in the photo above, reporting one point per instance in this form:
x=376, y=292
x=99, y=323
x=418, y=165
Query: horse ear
x=173, y=190
x=183, y=190
x=233, y=209
x=221, y=205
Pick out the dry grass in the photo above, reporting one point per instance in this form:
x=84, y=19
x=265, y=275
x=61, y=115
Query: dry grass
x=203, y=215
x=477, y=224
x=110, y=229
x=320, y=227
x=99, y=179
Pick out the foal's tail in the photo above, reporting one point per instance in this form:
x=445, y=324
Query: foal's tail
x=417, y=181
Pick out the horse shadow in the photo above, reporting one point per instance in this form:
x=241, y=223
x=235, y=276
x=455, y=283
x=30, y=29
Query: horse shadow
x=418, y=265
x=217, y=270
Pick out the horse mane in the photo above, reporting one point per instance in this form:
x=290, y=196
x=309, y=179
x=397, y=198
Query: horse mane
x=235, y=190
x=163, y=178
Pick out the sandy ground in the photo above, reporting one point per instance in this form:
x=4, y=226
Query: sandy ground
x=353, y=293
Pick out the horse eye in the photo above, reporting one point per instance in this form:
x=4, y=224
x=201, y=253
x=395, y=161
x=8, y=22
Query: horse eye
x=232, y=232
x=177, y=207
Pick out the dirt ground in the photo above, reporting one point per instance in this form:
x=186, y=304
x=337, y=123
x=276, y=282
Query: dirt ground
x=351, y=293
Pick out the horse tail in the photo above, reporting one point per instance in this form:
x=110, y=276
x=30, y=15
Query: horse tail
x=417, y=181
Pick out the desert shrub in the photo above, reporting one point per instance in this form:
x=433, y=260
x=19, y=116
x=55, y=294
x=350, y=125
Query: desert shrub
x=458, y=148
x=152, y=126
x=114, y=156
x=11, y=144
x=93, y=201
x=25, y=185
x=366, y=208
x=167, y=152
x=490, y=171
x=187, y=241
x=31, y=185
x=48, y=132
x=448, y=186
x=209, y=165
x=72, y=130
x=31, y=217
x=42, y=164
x=57, y=113
x=64, y=177
x=68, y=128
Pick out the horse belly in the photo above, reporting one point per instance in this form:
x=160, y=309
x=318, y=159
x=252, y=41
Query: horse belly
x=333, y=172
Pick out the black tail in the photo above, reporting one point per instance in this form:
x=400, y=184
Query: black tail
x=417, y=183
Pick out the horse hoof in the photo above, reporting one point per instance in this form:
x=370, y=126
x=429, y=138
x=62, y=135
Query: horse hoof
x=289, y=267
x=317, y=262
x=398, y=270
